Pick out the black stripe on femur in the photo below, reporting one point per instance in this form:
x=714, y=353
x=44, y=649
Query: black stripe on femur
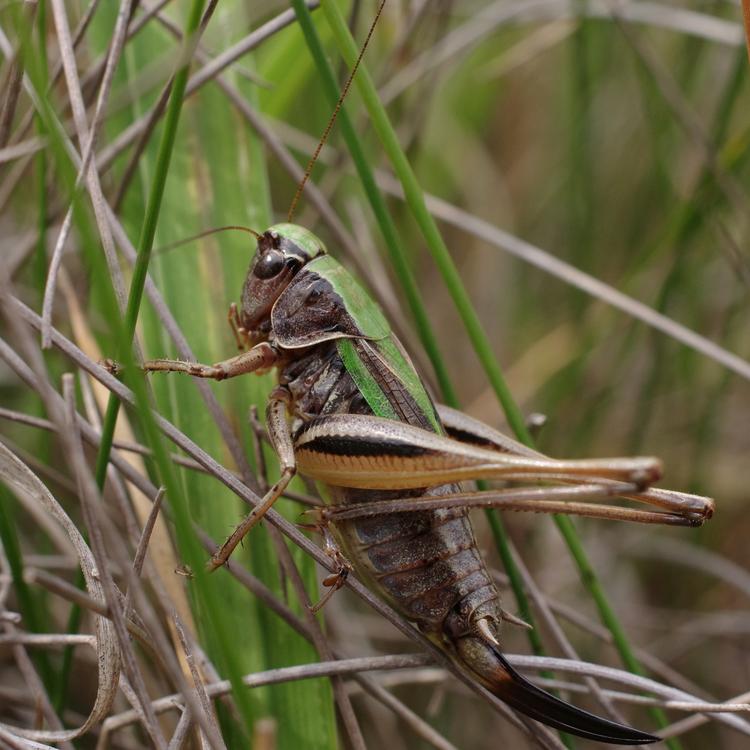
x=464, y=436
x=355, y=445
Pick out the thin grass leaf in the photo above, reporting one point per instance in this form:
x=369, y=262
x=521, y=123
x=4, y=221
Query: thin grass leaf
x=422, y=216
x=148, y=230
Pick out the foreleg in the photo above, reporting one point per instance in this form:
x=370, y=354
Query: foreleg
x=260, y=357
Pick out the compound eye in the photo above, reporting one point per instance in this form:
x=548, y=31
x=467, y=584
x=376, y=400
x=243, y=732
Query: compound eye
x=269, y=265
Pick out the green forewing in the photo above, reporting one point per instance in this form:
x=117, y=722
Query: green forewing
x=379, y=399
x=365, y=313
x=402, y=367
x=371, y=391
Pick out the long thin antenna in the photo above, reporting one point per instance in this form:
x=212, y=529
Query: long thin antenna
x=334, y=115
x=205, y=233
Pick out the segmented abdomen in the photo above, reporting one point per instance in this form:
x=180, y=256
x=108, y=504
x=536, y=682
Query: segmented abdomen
x=425, y=563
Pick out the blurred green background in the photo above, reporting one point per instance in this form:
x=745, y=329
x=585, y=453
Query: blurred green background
x=614, y=137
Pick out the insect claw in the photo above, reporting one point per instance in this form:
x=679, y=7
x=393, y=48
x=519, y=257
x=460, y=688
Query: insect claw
x=333, y=582
x=184, y=570
x=694, y=520
x=708, y=511
x=319, y=519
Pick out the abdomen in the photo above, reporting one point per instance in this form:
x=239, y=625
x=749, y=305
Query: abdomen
x=425, y=563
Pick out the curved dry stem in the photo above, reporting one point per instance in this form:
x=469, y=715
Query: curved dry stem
x=17, y=476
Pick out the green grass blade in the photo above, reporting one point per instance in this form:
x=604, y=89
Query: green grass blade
x=379, y=208
x=415, y=199
x=146, y=241
x=32, y=611
x=218, y=177
x=411, y=290
x=439, y=251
